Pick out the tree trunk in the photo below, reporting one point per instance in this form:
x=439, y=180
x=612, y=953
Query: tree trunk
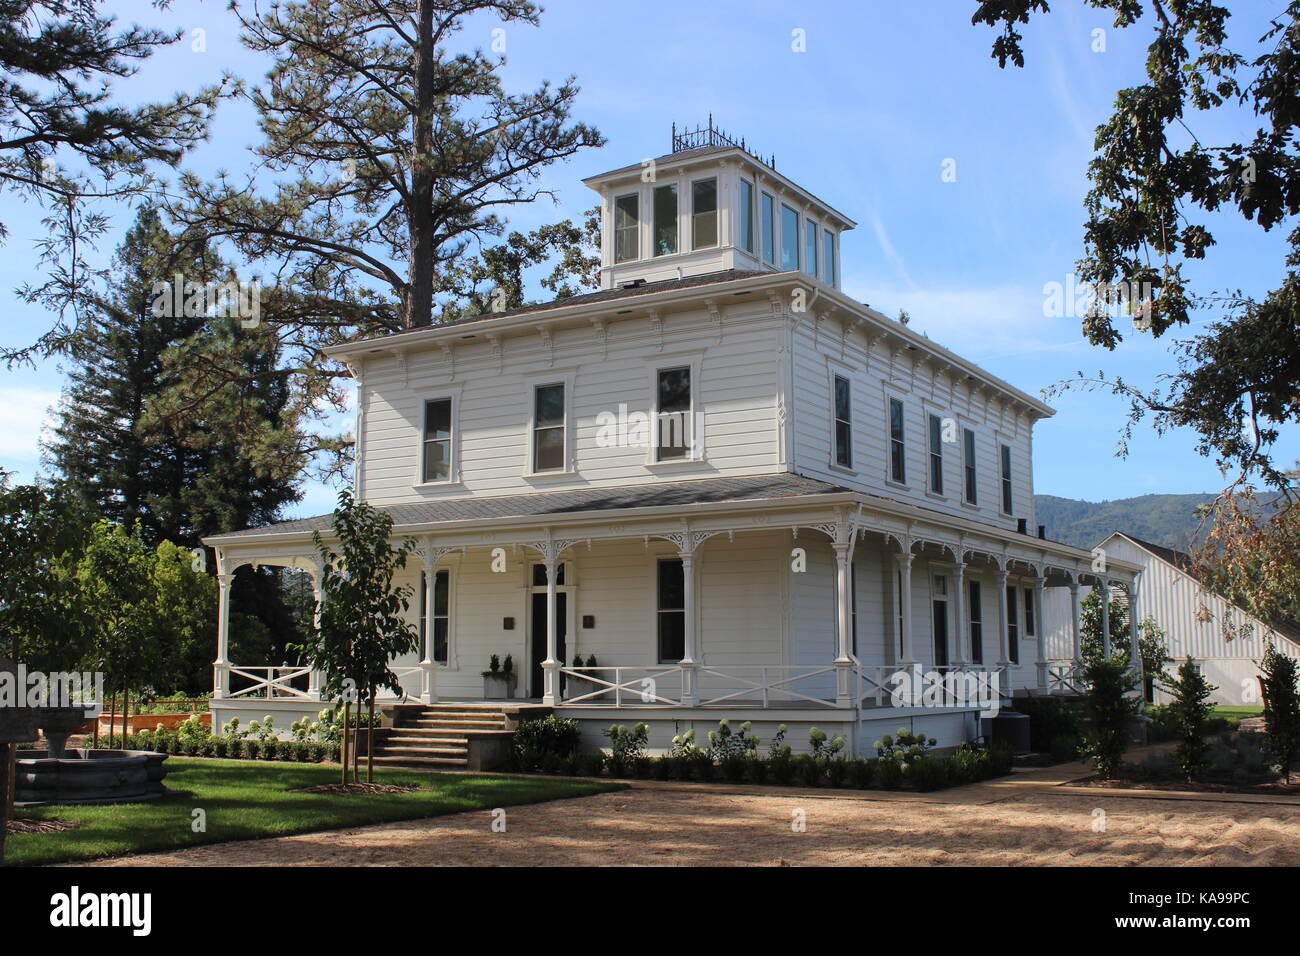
x=370, y=741
x=343, y=742
x=419, y=297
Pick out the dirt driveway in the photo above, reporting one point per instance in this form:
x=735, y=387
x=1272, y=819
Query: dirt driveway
x=1024, y=820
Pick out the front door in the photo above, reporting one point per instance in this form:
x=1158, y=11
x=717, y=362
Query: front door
x=538, y=618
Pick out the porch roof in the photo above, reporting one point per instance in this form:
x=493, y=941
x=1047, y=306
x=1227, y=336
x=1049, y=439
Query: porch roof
x=701, y=491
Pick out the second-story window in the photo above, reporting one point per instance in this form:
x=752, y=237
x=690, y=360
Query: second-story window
x=767, y=220
x=810, y=248
x=673, y=414
x=746, y=216
x=1006, y=479
x=897, y=449
x=936, y=455
x=548, y=427
x=843, y=422
x=626, y=231
x=789, y=239
x=828, y=257
x=704, y=213
x=437, y=440
x=968, y=440
x=665, y=220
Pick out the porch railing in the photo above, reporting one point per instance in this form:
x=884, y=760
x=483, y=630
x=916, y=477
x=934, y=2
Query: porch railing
x=1063, y=677
x=949, y=686
x=271, y=682
x=620, y=686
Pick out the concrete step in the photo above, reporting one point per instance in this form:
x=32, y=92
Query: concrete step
x=422, y=751
x=424, y=763
x=453, y=725
x=430, y=738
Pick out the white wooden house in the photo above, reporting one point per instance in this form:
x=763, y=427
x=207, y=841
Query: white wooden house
x=744, y=493
x=1225, y=641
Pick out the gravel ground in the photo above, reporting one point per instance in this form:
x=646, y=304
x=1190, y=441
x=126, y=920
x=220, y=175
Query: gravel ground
x=1017, y=822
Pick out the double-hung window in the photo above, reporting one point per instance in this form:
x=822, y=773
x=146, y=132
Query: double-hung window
x=976, y=624
x=665, y=219
x=897, y=449
x=843, y=422
x=673, y=414
x=671, y=611
x=437, y=441
x=704, y=213
x=767, y=222
x=828, y=257
x=1031, y=626
x=936, y=455
x=626, y=228
x=968, y=442
x=789, y=239
x=810, y=248
x=1006, y=479
x=548, y=427
x=746, y=216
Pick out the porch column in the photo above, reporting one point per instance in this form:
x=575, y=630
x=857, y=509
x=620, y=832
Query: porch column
x=1004, y=621
x=428, y=669
x=960, y=650
x=690, y=692
x=1135, y=647
x=318, y=596
x=1105, y=619
x=221, y=666
x=907, y=657
x=843, y=625
x=551, y=666
x=1076, y=640
x=1040, y=628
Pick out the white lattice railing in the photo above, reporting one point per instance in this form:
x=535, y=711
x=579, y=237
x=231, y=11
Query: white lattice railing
x=952, y=686
x=1063, y=677
x=768, y=684
x=621, y=686
x=271, y=682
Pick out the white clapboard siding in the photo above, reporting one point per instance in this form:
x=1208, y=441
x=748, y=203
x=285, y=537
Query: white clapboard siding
x=875, y=376
x=735, y=390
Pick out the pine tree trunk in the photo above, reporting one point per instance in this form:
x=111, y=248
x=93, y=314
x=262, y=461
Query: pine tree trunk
x=419, y=294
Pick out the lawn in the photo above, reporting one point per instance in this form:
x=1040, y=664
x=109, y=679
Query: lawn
x=1233, y=710
x=245, y=800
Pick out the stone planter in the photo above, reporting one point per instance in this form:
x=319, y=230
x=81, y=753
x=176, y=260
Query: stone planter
x=498, y=686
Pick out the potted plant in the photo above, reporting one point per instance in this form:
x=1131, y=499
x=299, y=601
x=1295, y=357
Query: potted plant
x=499, y=679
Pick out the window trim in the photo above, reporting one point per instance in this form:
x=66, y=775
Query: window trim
x=934, y=435
x=559, y=376
x=770, y=223
x=446, y=393
x=635, y=227
x=970, y=468
x=692, y=359
x=654, y=220
x=890, y=398
x=717, y=214
x=1005, y=475
x=743, y=207
x=798, y=239
x=660, y=561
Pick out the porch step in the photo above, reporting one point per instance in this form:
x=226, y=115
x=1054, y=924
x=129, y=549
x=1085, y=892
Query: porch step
x=421, y=763
x=390, y=751
x=441, y=723
x=425, y=738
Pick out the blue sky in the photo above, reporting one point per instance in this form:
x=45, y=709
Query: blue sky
x=866, y=118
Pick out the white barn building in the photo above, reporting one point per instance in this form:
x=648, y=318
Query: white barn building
x=745, y=494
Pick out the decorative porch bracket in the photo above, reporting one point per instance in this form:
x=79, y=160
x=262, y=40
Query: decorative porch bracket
x=687, y=543
x=550, y=551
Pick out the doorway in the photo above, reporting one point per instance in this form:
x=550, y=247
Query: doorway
x=538, y=619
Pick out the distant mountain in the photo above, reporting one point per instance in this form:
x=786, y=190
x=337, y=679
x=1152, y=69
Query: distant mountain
x=1169, y=520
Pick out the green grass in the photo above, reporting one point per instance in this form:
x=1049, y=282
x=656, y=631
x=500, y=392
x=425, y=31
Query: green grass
x=245, y=800
x=1232, y=710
